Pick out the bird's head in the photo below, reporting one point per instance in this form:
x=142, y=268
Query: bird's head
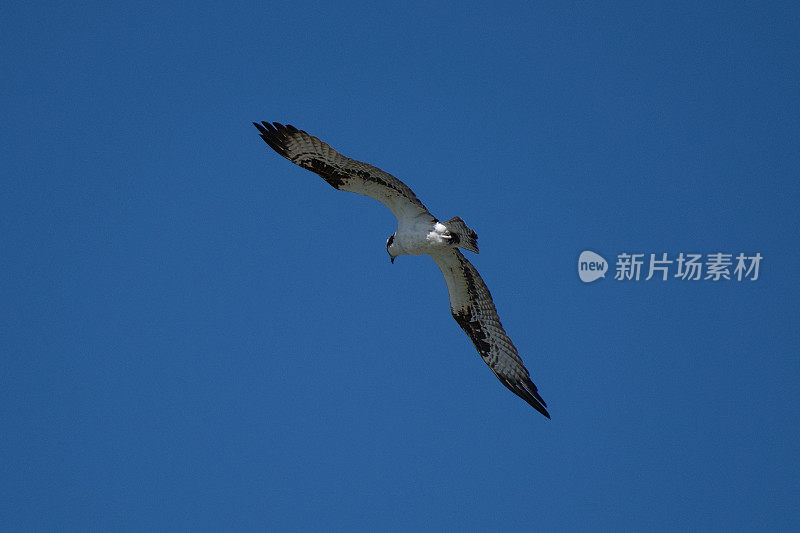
x=391, y=248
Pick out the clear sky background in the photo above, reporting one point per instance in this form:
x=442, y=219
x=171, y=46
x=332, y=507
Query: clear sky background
x=198, y=335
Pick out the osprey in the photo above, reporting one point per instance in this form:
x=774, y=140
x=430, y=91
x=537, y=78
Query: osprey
x=418, y=232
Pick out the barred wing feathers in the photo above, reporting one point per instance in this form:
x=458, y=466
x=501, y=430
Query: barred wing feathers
x=473, y=308
x=341, y=172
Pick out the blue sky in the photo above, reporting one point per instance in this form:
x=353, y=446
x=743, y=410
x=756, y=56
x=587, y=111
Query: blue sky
x=198, y=335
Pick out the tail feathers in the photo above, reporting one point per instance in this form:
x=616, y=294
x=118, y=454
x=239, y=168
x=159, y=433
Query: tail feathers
x=462, y=235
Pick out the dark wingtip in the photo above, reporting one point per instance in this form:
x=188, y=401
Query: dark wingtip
x=539, y=406
x=526, y=390
x=537, y=401
x=274, y=135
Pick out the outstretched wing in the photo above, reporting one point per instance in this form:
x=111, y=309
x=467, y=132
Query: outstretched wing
x=473, y=309
x=341, y=172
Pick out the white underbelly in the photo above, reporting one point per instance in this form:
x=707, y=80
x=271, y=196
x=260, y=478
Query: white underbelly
x=422, y=238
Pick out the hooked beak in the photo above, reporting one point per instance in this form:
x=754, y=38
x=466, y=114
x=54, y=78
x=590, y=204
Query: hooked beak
x=391, y=258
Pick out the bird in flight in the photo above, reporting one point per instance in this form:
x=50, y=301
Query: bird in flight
x=419, y=232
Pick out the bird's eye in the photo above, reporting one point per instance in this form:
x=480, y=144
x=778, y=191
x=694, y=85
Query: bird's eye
x=390, y=241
